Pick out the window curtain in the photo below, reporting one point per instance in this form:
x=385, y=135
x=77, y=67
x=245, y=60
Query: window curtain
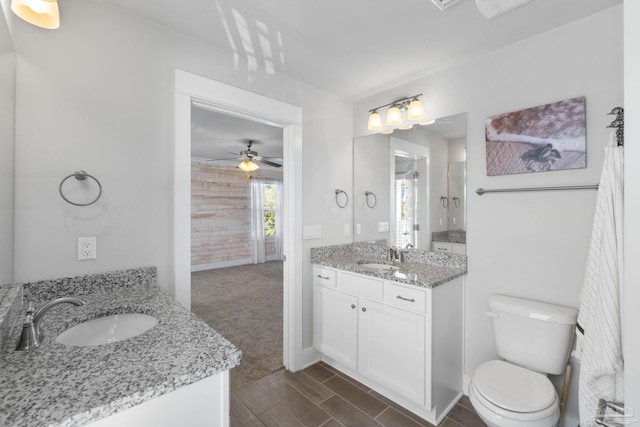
x=279, y=212
x=257, y=222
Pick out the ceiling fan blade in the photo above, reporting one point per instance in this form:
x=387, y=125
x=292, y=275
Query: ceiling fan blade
x=267, y=162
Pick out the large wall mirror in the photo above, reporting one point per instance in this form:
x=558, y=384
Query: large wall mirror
x=7, y=91
x=410, y=186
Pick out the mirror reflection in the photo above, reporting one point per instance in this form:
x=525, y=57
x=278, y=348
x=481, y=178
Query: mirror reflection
x=418, y=177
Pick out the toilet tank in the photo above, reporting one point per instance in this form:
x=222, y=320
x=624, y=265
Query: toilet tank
x=532, y=334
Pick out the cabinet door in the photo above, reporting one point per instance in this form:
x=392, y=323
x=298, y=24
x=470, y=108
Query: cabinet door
x=392, y=349
x=335, y=325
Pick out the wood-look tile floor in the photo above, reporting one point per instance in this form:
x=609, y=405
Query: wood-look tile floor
x=322, y=396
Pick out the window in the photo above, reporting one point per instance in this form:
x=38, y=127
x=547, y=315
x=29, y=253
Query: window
x=269, y=206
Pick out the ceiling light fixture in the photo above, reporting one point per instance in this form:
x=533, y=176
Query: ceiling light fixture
x=248, y=165
x=394, y=118
x=41, y=13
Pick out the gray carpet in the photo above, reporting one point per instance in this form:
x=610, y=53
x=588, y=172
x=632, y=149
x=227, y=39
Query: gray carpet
x=244, y=304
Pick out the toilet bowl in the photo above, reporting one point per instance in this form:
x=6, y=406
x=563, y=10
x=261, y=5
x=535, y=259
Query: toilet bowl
x=507, y=395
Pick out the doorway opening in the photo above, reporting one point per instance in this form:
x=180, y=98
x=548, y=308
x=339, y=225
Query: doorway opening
x=236, y=237
x=193, y=90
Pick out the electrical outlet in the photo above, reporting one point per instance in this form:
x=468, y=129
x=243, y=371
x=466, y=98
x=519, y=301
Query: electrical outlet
x=86, y=248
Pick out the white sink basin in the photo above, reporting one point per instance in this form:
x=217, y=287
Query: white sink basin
x=107, y=329
x=380, y=267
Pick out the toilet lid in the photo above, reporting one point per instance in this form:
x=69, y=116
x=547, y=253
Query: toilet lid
x=514, y=388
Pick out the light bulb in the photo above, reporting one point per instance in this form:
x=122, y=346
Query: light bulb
x=394, y=116
x=248, y=166
x=428, y=122
x=416, y=110
x=41, y=13
x=375, y=121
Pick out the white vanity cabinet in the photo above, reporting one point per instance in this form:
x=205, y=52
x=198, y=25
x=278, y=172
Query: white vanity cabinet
x=383, y=333
x=451, y=248
x=391, y=349
x=335, y=320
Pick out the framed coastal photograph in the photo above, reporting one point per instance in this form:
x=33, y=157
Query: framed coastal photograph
x=549, y=137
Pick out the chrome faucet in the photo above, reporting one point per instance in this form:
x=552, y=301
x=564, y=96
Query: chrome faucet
x=394, y=255
x=31, y=335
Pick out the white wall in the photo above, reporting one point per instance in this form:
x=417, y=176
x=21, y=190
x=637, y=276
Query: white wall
x=327, y=165
x=532, y=245
x=632, y=204
x=97, y=94
x=7, y=79
x=371, y=173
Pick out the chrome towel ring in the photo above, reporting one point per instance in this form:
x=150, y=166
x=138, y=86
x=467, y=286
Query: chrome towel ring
x=375, y=199
x=345, y=198
x=80, y=176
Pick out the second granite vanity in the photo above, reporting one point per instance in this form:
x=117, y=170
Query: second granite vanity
x=396, y=327
x=175, y=373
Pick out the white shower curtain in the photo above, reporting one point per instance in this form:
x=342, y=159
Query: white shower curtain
x=599, y=332
x=258, y=255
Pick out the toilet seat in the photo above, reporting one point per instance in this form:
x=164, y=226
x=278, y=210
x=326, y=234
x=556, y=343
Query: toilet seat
x=509, y=395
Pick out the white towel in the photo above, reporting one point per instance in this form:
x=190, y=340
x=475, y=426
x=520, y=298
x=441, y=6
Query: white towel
x=599, y=344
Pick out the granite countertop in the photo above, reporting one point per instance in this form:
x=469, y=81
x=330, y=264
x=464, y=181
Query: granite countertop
x=422, y=268
x=58, y=385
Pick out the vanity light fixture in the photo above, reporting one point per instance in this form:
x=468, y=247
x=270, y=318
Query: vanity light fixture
x=248, y=166
x=394, y=118
x=41, y=13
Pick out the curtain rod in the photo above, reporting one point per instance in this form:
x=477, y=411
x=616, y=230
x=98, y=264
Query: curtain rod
x=481, y=191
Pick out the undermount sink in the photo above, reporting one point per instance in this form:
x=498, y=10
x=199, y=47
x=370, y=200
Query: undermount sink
x=107, y=329
x=379, y=267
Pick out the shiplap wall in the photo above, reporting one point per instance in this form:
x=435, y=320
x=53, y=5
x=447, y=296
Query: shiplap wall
x=221, y=216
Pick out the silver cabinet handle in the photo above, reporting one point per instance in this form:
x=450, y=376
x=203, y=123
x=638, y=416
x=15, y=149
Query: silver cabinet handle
x=364, y=308
x=322, y=277
x=353, y=306
x=405, y=299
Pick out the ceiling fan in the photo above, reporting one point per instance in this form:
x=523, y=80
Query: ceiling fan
x=249, y=158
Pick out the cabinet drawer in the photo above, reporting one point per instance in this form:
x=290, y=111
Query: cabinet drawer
x=402, y=297
x=441, y=247
x=361, y=286
x=324, y=276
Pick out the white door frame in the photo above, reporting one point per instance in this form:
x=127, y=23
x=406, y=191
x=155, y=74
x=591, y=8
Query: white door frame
x=191, y=89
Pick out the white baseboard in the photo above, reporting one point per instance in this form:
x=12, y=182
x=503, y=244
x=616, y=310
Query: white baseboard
x=234, y=263
x=310, y=356
x=211, y=266
x=571, y=422
x=466, y=380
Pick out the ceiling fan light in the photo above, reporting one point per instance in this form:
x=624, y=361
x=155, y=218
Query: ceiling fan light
x=248, y=166
x=41, y=13
x=407, y=127
x=386, y=132
x=416, y=110
x=394, y=116
x=375, y=121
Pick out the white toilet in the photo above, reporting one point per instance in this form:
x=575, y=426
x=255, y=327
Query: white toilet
x=534, y=339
